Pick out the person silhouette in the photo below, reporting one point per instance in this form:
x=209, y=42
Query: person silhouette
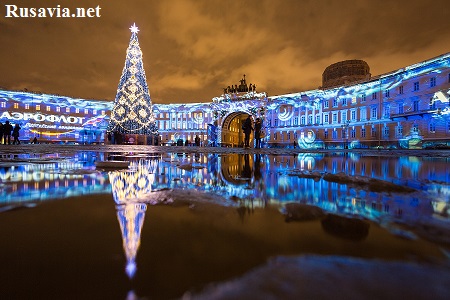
x=258, y=127
x=7, y=128
x=15, y=134
x=247, y=127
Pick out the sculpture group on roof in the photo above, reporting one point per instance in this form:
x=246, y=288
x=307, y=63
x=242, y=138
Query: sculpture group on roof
x=242, y=88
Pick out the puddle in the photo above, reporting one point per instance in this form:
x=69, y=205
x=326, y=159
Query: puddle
x=207, y=224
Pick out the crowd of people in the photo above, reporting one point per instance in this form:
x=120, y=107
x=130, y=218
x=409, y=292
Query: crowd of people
x=7, y=130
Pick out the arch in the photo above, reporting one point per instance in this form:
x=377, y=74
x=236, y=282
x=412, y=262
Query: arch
x=231, y=129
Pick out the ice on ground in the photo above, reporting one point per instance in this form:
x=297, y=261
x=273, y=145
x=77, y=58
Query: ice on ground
x=180, y=197
x=356, y=181
x=302, y=212
x=334, y=277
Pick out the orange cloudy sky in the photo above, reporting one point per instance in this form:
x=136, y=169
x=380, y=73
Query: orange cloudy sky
x=192, y=49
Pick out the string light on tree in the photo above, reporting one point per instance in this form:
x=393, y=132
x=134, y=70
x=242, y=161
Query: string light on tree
x=133, y=111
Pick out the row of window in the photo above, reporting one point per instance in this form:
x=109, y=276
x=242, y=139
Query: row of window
x=363, y=132
x=58, y=109
x=316, y=118
x=416, y=87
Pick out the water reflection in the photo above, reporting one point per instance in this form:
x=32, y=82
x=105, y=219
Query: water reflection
x=254, y=179
x=128, y=187
x=29, y=177
x=131, y=219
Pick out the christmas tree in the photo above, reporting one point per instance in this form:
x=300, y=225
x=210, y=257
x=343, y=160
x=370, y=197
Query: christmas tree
x=132, y=112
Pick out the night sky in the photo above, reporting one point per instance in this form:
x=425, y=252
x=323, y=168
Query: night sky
x=192, y=49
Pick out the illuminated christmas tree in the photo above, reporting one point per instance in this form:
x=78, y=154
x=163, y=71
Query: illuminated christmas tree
x=133, y=112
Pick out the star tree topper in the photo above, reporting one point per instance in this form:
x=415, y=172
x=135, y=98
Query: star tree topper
x=134, y=29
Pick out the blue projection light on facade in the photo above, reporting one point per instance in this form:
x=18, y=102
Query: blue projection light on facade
x=405, y=108
x=55, y=118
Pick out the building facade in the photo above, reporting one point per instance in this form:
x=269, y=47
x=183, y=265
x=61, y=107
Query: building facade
x=405, y=108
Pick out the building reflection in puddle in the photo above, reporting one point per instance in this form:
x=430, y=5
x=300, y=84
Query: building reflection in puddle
x=32, y=178
x=128, y=188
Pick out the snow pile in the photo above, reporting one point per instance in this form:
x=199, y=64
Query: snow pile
x=334, y=277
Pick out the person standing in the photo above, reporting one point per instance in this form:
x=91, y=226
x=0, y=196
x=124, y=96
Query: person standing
x=7, y=128
x=247, y=127
x=258, y=127
x=197, y=140
x=1, y=132
x=15, y=134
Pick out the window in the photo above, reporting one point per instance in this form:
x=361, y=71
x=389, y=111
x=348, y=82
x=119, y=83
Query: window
x=363, y=132
x=27, y=106
x=310, y=119
x=374, y=96
x=386, y=111
x=67, y=109
x=325, y=104
x=276, y=123
x=344, y=101
x=399, y=131
x=343, y=117
x=344, y=133
x=325, y=133
x=334, y=117
x=432, y=81
x=335, y=103
x=38, y=107
x=432, y=128
x=353, y=133
x=386, y=131
x=325, y=119
x=86, y=111
x=363, y=98
x=432, y=103
x=373, y=132
x=386, y=93
x=353, y=115
x=296, y=121
x=58, y=109
x=317, y=119
x=363, y=114
x=334, y=134
x=302, y=120
x=416, y=105
x=16, y=105
x=416, y=86
x=400, y=89
x=373, y=113
x=415, y=128
x=47, y=108
x=400, y=108
x=77, y=110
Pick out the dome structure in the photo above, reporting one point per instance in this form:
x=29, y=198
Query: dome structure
x=345, y=72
